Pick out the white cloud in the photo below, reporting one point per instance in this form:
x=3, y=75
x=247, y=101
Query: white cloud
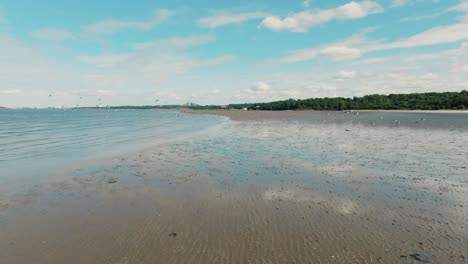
x=214, y=92
x=104, y=27
x=30, y=77
x=347, y=74
x=175, y=42
x=340, y=52
x=419, y=18
x=434, y=36
x=303, y=21
x=120, y=78
x=399, y=3
x=460, y=68
x=394, y=74
x=10, y=91
x=334, y=52
x=151, y=65
x=225, y=18
x=258, y=89
x=306, y=3
x=347, y=49
x=52, y=34
x=261, y=87
x=359, y=44
x=107, y=27
x=104, y=61
x=463, y=7
x=406, y=73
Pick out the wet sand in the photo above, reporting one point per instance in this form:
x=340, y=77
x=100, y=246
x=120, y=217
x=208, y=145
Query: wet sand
x=269, y=187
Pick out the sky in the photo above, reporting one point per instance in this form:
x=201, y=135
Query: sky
x=67, y=53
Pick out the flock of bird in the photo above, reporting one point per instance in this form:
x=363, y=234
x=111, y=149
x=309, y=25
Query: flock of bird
x=98, y=105
x=395, y=122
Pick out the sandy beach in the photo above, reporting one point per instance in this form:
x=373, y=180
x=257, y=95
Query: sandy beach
x=241, y=115
x=262, y=187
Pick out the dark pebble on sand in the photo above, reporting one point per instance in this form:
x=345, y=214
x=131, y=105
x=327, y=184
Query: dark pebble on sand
x=419, y=257
x=173, y=234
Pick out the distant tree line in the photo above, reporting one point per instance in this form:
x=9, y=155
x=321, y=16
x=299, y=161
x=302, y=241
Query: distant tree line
x=414, y=101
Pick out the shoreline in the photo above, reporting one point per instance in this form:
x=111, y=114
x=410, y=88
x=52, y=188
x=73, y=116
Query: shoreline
x=252, y=115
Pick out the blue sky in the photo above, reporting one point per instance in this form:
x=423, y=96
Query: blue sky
x=55, y=53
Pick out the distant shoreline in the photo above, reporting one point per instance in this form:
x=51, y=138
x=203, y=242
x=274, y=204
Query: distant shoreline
x=243, y=115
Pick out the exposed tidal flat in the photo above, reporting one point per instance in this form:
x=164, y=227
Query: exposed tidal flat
x=261, y=187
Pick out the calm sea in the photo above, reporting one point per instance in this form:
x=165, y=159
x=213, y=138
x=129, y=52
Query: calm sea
x=38, y=141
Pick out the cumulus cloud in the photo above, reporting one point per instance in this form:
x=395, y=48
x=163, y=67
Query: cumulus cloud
x=340, y=52
x=168, y=50
x=10, y=91
x=150, y=64
x=29, y=77
x=104, y=61
x=306, y=3
x=104, y=27
x=334, y=52
x=120, y=78
x=214, y=92
x=258, y=89
x=175, y=42
x=303, y=21
x=261, y=87
x=347, y=74
x=395, y=74
x=434, y=36
x=110, y=26
x=460, y=68
x=399, y=3
x=424, y=72
x=225, y=18
x=359, y=44
x=463, y=6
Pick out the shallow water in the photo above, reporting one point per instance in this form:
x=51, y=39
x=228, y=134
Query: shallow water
x=331, y=188
x=47, y=140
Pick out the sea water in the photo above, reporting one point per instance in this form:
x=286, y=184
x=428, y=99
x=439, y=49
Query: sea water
x=37, y=141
